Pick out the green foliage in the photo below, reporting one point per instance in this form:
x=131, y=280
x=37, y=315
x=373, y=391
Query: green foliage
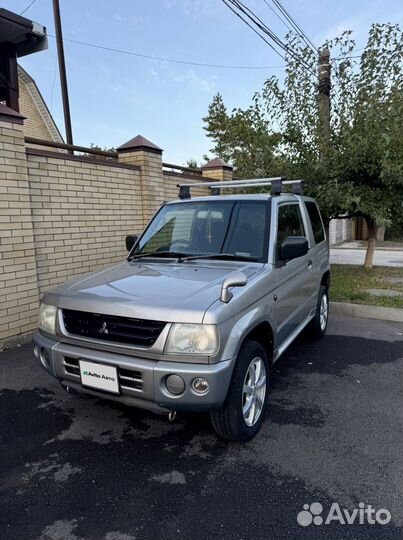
x=358, y=168
x=192, y=164
x=99, y=156
x=243, y=137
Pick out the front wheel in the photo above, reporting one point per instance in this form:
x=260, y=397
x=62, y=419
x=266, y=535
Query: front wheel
x=241, y=416
x=318, y=325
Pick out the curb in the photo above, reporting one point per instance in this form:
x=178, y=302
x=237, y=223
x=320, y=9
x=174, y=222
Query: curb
x=365, y=249
x=367, y=312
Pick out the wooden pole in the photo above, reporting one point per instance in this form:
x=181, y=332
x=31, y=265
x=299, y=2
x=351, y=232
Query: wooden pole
x=324, y=101
x=62, y=72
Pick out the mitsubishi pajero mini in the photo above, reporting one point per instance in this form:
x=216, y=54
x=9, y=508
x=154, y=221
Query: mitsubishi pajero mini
x=211, y=294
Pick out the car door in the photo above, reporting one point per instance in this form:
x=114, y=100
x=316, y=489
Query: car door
x=319, y=248
x=295, y=281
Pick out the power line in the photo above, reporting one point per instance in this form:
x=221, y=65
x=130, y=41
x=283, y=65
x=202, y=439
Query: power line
x=295, y=25
x=303, y=33
x=161, y=58
x=265, y=29
x=251, y=27
x=260, y=24
x=53, y=85
x=28, y=6
x=278, y=15
x=345, y=57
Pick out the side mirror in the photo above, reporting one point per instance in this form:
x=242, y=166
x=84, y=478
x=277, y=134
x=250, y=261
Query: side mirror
x=235, y=279
x=293, y=247
x=131, y=239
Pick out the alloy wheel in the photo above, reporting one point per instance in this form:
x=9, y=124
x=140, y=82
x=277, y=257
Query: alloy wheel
x=254, y=391
x=324, y=312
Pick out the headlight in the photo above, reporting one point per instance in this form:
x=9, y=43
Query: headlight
x=192, y=339
x=47, y=318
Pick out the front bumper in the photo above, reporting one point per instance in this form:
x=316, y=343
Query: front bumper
x=141, y=382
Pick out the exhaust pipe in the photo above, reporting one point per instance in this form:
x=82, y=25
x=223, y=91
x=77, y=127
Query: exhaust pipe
x=171, y=416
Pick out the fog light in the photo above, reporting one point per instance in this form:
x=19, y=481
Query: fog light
x=44, y=357
x=200, y=385
x=175, y=384
x=36, y=351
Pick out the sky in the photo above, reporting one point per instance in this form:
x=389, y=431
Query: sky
x=114, y=97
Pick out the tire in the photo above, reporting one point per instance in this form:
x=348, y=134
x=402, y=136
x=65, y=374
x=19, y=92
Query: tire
x=229, y=422
x=317, y=327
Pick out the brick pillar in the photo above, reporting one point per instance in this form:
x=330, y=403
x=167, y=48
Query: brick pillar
x=18, y=273
x=140, y=151
x=217, y=169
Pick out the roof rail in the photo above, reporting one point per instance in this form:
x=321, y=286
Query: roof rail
x=277, y=183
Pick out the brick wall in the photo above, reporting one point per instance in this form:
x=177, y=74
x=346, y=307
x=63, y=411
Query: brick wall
x=81, y=213
x=341, y=230
x=63, y=216
x=171, y=191
x=18, y=279
x=151, y=180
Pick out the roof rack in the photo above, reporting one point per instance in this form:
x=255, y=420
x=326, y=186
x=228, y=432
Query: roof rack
x=277, y=183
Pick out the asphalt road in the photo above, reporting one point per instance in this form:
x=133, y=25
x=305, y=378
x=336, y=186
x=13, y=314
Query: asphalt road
x=357, y=256
x=74, y=469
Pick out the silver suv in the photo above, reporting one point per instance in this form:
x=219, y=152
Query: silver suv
x=211, y=294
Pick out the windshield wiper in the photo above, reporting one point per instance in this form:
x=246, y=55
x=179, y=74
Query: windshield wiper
x=228, y=256
x=173, y=254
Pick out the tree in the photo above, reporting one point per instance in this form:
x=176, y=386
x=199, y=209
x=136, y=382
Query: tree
x=358, y=171
x=99, y=156
x=243, y=137
x=192, y=164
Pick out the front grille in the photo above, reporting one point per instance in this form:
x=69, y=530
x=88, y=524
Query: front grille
x=139, y=332
x=128, y=378
x=71, y=366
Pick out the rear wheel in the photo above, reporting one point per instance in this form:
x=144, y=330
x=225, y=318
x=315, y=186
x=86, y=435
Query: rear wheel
x=241, y=416
x=318, y=325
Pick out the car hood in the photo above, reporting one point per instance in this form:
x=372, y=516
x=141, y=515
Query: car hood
x=165, y=291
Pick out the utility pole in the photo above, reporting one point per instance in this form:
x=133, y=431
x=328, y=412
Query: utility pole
x=62, y=72
x=324, y=101
x=324, y=110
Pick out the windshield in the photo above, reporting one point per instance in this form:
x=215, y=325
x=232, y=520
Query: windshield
x=238, y=228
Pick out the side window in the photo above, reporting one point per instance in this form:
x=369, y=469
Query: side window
x=289, y=222
x=316, y=222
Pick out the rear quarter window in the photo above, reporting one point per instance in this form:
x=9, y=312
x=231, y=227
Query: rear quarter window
x=316, y=221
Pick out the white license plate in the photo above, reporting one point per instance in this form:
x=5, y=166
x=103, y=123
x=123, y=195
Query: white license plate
x=99, y=376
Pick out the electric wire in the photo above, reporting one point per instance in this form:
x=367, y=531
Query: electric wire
x=278, y=15
x=28, y=6
x=161, y=58
x=265, y=29
x=295, y=25
x=226, y=2
x=249, y=13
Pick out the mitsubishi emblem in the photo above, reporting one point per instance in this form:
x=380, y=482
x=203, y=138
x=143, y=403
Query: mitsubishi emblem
x=103, y=329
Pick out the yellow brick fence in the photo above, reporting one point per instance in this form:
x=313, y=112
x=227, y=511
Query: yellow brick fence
x=63, y=215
